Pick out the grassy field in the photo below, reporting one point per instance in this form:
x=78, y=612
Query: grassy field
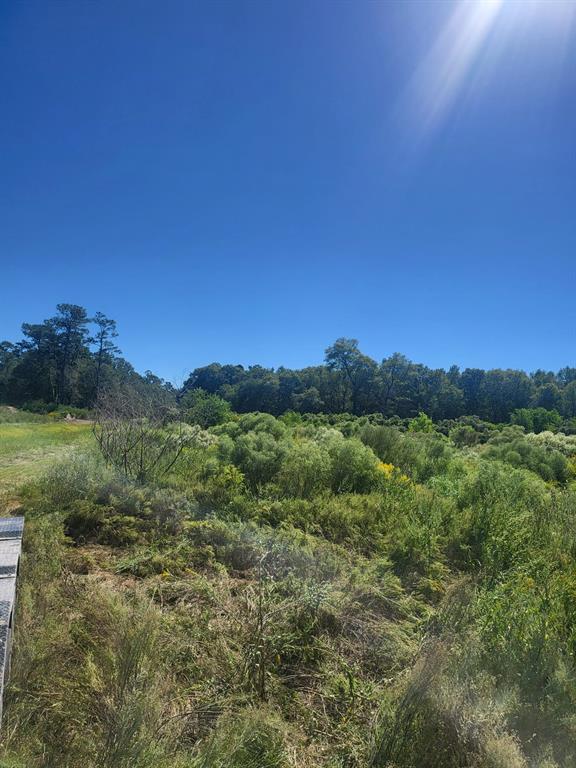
x=27, y=449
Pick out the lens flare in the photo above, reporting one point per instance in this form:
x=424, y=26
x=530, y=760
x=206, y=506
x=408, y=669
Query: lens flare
x=474, y=29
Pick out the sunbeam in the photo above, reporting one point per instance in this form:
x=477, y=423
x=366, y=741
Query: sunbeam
x=446, y=69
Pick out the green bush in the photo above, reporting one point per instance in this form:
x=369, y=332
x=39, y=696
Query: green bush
x=536, y=419
x=206, y=409
x=542, y=459
x=72, y=477
x=258, y=455
x=306, y=470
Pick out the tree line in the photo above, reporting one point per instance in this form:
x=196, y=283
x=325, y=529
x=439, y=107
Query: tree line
x=351, y=382
x=68, y=360
x=71, y=358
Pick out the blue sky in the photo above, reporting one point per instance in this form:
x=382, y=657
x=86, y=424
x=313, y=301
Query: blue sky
x=248, y=181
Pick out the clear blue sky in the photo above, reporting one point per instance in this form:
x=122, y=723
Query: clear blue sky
x=247, y=181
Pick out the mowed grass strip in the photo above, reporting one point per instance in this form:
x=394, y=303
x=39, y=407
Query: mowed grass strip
x=26, y=449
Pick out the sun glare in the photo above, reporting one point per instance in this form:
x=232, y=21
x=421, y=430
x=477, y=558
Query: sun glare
x=446, y=69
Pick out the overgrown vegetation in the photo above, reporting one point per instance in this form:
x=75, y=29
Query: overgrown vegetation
x=297, y=591
x=360, y=565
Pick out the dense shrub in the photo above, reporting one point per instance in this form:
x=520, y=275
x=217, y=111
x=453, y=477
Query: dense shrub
x=204, y=408
x=539, y=457
x=306, y=470
x=536, y=419
x=303, y=591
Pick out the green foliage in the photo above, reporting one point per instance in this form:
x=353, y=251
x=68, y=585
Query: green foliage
x=304, y=591
x=66, y=362
x=419, y=454
x=354, y=466
x=306, y=470
x=540, y=458
x=205, y=408
x=71, y=359
x=464, y=435
x=422, y=423
x=536, y=419
x=352, y=382
x=258, y=455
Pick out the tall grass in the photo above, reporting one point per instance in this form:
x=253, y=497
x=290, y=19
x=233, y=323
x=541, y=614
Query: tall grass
x=10, y=415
